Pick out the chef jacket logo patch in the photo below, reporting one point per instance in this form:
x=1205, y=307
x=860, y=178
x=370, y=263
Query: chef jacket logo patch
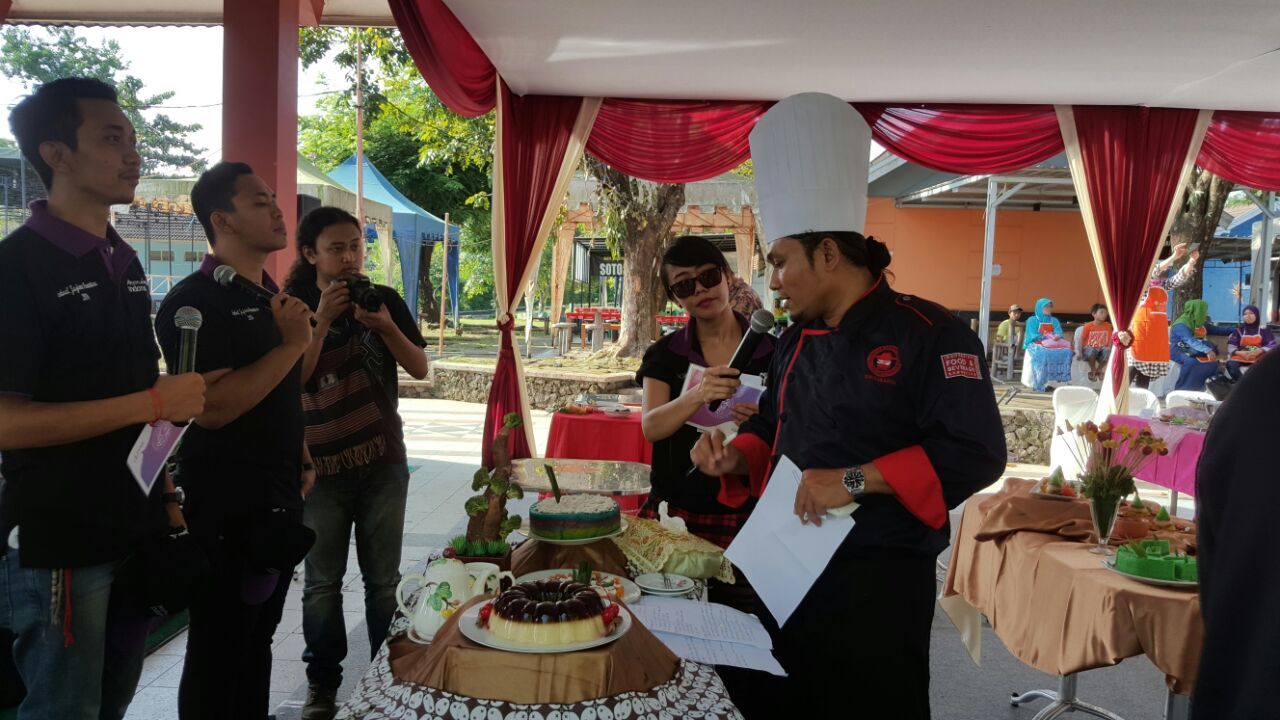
x=961, y=365
x=883, y=362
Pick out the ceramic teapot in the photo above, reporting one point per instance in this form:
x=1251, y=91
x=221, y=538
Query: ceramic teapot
x=446, y=586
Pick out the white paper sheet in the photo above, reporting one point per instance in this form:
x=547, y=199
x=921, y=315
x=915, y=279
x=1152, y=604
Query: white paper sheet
x=705, y=621
x=154, y=445
x=713, y=652
x=780, y=556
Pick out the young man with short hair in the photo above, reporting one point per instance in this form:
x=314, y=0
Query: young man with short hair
x=78, y=381
x=1004, y=331
x=242, y=464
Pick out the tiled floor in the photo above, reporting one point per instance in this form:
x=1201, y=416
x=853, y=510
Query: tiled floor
x=443, y=439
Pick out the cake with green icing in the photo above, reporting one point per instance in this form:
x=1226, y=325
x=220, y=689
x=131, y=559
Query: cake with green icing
x=1153, y=559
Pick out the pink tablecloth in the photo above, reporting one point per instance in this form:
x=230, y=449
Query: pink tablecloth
x=1177, y=470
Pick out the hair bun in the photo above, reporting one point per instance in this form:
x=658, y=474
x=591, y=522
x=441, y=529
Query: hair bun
x=878, y=256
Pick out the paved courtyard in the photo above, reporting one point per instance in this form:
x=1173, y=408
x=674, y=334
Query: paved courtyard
x=444, y=440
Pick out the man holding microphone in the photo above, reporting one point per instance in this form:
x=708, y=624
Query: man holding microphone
x=243, y=463
x=79, y=380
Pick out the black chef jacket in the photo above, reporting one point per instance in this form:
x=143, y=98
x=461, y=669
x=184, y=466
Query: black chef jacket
x=901, y=383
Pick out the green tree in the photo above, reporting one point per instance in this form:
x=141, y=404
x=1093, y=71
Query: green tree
x=1197, y=224
x=438, y=160
x=637, y=217
x=36, y=57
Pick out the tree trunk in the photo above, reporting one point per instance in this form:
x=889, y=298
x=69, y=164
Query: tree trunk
x=428, y=297
x=644, y=213
x=1203, y=203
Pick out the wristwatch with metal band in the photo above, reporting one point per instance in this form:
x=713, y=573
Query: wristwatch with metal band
x=855, y=482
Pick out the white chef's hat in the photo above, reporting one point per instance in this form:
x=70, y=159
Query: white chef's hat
x=811, y=154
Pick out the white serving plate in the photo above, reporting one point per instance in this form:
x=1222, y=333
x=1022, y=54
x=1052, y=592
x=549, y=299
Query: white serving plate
x=652, y=583
x=1184, y=584
x=472, y=631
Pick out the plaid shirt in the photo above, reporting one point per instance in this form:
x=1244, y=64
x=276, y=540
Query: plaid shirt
x=718, y=528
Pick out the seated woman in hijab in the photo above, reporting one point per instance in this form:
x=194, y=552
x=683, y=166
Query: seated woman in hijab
x=1048, y=352
x=1248, y=342
x=1190, y=348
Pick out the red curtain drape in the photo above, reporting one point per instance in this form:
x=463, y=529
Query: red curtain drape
x=1243, y=147
x=1133, y=160
x=535, y=133
x=454, y=66
x=674, y=141
x=966, y=139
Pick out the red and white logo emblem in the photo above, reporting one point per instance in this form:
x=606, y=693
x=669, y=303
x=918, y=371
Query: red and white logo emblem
x=962, y=365
x=883, y=362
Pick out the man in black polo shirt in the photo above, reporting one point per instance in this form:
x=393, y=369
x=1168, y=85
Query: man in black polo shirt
x=242, y=465
x=78, y=380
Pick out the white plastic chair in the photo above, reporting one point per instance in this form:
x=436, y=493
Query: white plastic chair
x=1140, y=401
x=1165, y=385
x=1074, y=405
x=1184, y=398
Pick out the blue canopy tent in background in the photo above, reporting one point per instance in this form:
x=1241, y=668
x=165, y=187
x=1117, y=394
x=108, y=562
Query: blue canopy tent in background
x=411, y=226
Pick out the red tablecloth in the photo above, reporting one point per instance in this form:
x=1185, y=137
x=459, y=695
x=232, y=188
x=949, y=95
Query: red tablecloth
x=1177, y=470
x=598, y=437
x=601, y=437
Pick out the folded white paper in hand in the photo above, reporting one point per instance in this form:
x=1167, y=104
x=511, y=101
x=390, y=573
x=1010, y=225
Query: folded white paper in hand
x=674, y=524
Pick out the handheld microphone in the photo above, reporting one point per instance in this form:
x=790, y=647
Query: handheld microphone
x=761, y=324
x=188, y=320
x=227, y=277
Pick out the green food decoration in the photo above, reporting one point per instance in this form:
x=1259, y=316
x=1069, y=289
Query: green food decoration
x=584, y=573
x=555, y=486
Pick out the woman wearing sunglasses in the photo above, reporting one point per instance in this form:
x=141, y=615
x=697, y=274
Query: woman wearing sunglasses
x=695, y=275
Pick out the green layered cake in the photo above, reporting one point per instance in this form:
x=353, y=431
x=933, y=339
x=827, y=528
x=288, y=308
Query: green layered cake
x=1152, y=559
x=574, y=517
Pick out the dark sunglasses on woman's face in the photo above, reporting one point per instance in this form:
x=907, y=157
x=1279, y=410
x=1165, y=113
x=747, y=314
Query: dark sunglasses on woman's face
x=707, y=279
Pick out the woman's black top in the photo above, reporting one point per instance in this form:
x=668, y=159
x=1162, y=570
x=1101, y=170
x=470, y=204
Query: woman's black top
x=668, y=360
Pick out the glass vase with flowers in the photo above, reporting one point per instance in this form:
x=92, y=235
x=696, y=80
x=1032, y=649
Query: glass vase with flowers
x=1110, y=456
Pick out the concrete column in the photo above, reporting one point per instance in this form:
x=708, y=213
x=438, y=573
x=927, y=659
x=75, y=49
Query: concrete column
x=260, y=101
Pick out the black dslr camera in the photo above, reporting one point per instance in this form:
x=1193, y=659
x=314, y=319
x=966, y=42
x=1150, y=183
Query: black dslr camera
x=364, y=293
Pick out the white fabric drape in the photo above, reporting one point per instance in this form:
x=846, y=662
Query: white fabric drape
x=572, y=157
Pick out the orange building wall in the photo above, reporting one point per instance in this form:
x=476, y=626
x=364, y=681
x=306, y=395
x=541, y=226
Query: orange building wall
x=937, y=254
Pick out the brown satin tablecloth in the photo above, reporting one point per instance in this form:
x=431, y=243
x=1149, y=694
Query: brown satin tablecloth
x=533, y=555
x=636, y=662
x=1025, y=563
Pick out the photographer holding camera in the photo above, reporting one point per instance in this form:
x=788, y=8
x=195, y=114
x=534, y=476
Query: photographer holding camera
x=363, y=331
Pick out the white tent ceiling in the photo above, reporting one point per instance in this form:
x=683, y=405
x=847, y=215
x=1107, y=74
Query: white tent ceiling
x=1222, y=54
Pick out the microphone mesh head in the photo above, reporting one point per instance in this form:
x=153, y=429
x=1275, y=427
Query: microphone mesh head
x=188, y=318
x=224, y=274
x=761, y=321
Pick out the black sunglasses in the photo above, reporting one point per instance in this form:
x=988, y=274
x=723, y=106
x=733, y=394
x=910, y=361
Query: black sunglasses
x=707, y=279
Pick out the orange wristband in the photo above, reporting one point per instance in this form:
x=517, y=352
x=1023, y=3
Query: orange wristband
x=157, y=406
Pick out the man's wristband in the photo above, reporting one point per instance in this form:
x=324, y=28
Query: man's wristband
x=157, y=405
